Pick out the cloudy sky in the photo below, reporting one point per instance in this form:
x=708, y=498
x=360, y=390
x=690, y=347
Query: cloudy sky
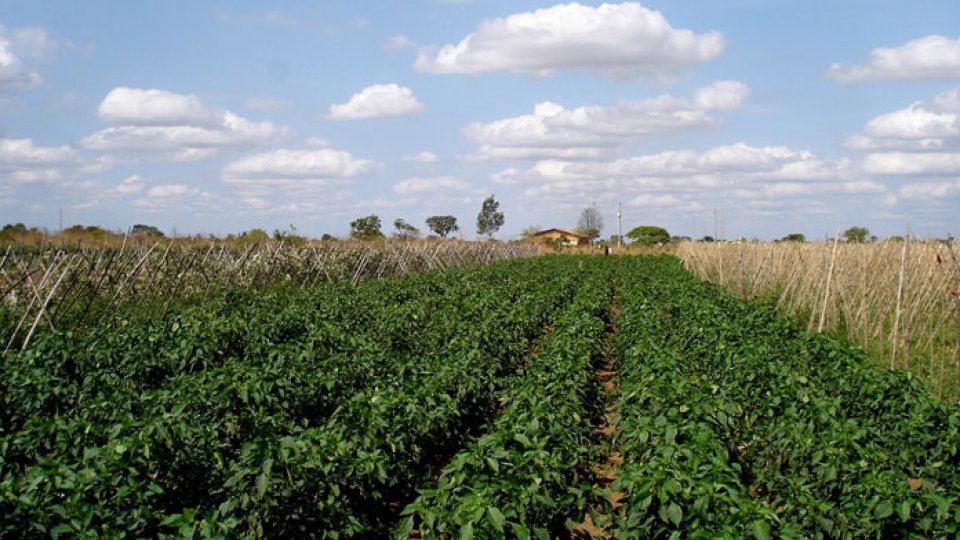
x=776, y=116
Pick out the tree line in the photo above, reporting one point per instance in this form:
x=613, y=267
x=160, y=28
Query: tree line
x=489, y=221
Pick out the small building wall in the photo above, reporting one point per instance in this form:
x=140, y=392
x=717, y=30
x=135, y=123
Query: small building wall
x=569, y=238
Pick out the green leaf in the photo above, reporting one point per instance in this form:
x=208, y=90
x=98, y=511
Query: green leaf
x=674, y=513
x=904, y=511
x=496, y=518
x=263, y=481
x=883, y=510
x=519, y=530
x=522, y=439
x=466, y=533
x=760, y=530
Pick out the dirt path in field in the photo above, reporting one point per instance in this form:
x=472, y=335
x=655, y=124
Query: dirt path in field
x=605, y=471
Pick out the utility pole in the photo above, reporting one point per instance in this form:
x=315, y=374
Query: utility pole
x=619, y=224
x=715, y=236
x=61, y=219
x=721, y=224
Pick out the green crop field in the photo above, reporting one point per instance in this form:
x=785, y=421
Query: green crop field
x=547, y=397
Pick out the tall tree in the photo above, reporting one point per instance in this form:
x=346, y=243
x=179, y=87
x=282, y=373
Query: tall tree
x=490, y=219
x=794, y=237
x=404, y=230
x=856, y=235
x=145, y=230
x=443, y=225
x=366, y=228
x=590, y=223
x=649, y=235
x=254, y=236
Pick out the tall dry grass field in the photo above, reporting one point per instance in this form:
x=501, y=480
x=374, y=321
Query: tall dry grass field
x=898, y=300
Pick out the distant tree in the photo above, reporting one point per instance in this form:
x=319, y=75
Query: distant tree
x=326, y=237
x=707, y=239
x=405, y=231
x=679, y=239
x=614, y=240
x=15, y=228
x=254, y=236
x=145, y=230
x=96, y=232
x=490, y=219
x=794, y=237
x=856, y=235
x=590, y=223
x=366, y=228
x=649, y=235
x=290, y=236
x=893, y=238
x=443, y=225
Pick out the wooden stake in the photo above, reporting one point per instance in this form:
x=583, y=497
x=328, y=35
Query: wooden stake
x=826, y=292
x=899, y=309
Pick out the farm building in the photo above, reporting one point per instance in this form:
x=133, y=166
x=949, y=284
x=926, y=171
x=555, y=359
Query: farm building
x=568, y=238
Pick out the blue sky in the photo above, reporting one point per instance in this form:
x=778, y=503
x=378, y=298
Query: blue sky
x=217, y=117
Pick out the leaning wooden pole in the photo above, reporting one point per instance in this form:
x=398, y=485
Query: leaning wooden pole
x=826, y=291
x=895, y=338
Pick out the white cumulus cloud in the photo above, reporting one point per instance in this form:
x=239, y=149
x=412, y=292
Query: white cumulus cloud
x=138, y=107
x=912, y=163
x=592, y=132
x=173, y=126
x=174, y=195
x=33, y=42
x=665, y=200
x=398, y=42
x=131, y=184
x=726, y=164
x=429, y=185
x=922, y=139
x=933, y=57
x=14, y=75
x=421, y=157
x=32, y=176
x=377, y=101
x=689, y=181
x=22, y=153
x=295, y=168
x=932, y=125
x=167, y=191
x=930, y=190
x=624, y=41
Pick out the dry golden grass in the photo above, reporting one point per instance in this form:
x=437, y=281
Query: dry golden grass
x=898, y=300
x=628, y=249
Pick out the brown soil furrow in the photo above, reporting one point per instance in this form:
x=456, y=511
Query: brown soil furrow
x=605, y=473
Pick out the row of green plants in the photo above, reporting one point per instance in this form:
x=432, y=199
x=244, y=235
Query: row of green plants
x=264, y=414
x=324, y=412
x=80, y=287
x=527, y=476
x=736, y=423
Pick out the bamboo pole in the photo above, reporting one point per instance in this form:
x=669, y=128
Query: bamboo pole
x=46, y=302
x=894, y=340
x=826, y=293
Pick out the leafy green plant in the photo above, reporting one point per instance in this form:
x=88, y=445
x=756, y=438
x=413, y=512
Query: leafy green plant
x=737, y=423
